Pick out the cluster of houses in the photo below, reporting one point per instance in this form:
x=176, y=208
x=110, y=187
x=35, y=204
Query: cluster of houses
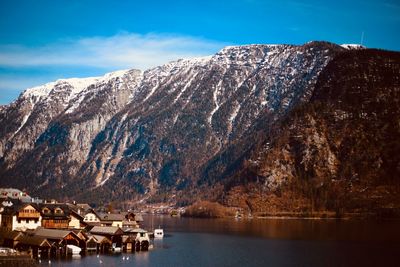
x=51, y=228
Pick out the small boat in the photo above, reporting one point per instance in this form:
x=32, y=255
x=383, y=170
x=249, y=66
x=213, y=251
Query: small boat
x=115, y=249
x=158, y=233
x=74, y=250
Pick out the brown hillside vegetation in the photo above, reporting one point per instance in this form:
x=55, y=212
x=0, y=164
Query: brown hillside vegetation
x=340, y=151
x=207, y=209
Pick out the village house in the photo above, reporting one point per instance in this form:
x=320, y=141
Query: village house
x=103, y=243
x=91, y=218
x=132, y=220
x=35, y=244
x=80, y=208
x=141, y=237
x=9, y=238
x=113, y=233
x=15, y=194
x=111, y=219
x=59, y=239
x=20, y=216
x=55, y=215
x=76, y=221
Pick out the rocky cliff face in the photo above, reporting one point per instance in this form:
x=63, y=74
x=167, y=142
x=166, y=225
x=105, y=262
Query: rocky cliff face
x=49, y=129
x=339, y=151
x=174, y=130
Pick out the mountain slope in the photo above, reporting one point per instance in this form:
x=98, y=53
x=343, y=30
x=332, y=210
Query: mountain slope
x=195, y=112
x=340, y=150
x=197, y=128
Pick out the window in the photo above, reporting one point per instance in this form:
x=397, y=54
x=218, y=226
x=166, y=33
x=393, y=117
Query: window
x=27, y=221
x=58, y=211
x=45, y=210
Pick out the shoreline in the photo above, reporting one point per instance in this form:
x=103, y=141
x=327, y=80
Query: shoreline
x=305, y=216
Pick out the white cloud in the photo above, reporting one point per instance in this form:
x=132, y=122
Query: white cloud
x=124, y=50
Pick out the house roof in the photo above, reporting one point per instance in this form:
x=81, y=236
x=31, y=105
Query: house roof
x=17, y=206
x=53, y=207
x=52, y=233
x=111, y=216
x=15, y=194
x=81, y=209
x=91, y=211
x=81, y=234
x=134, y=230
x=90, y=224
x=108, y=230
x=84, y=206
x=7, y=234
x=34, y=241
x=76, y=215
x=102, y=239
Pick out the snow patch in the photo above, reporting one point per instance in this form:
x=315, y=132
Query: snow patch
x=104, y=181
x=234, y=113
x=185, y=87
x=124, y=117
x=215, y=98
x=151, y=91
x=78, y=84
x=353, y=46
x=24, y=120
x=40, y=91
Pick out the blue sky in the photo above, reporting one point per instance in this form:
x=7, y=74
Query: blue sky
x=46, y=40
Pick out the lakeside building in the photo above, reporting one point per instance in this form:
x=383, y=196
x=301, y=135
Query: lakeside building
x=55, y=216
x=91, y=217
x=49, y=228
x=56, y=242
x=21, y=216
x=16, y=215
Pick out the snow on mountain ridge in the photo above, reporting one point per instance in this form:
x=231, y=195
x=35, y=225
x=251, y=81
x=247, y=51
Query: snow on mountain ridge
x=353, y=46
x=80, y=84
x=77, y=84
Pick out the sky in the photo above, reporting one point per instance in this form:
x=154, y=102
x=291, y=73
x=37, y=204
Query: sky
x=46, y=40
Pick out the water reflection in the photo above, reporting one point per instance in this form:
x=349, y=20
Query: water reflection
x=141, y=259
x=294, y=229
x=227, y=242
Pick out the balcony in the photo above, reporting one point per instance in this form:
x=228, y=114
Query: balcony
x=28, y=215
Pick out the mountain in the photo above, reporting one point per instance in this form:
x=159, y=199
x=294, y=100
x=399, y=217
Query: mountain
x=339, y=151
x=213, y=127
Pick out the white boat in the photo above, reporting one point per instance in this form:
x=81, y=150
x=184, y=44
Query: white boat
x=158, y=233
x=74, y=250
x=115, y=249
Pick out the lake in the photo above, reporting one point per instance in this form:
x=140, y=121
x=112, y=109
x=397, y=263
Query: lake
x=260, y=242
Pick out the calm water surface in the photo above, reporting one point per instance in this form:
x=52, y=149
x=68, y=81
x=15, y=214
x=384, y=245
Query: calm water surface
x=260, y=242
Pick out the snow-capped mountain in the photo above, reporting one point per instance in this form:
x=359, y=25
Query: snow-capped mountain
x=163, y=132
x=30, y=115
x=353, y=46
